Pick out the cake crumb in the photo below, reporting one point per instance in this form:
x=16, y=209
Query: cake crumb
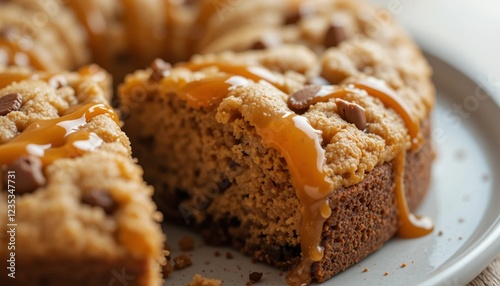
x=254, y=278
x=440, y=233
x=199, y=280
x=182, y=261
x=186, y=243
x=216, y=254
x=403, y=265
x=366, y=270
x=229, y=255
x=459, y=238
x=386, y=273
x=461, y=220
x=167, y=269
x=412, y=262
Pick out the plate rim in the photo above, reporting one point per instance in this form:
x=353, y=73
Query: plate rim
x=472, y=260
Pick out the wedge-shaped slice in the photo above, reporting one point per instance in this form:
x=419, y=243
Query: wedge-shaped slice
x=309, y=178
x=75, y=209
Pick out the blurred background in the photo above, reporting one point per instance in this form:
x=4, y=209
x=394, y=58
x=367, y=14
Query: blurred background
x=464, y=33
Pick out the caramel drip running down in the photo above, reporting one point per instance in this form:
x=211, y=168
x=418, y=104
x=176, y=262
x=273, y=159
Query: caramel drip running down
x=388, y=97
x=410, y=226
x=20, y=56
x=95, y=24
x=300, y=145
x=57, y=138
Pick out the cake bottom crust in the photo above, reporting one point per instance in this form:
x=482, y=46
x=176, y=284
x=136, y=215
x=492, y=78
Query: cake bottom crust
x=56, y=272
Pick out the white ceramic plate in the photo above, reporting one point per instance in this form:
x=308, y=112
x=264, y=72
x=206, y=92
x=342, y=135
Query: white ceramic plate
x=463, y=201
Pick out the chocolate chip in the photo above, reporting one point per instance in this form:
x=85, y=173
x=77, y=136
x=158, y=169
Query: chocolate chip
x=28, y=174
x=255, y=276
x=159, y=70
x=302, y=99
x=292, y=18
x=334, y=35
x=10, y=102
x=266, y=41
x=303, y=11
x=352, y=113
x=8, y=32
x=259, y=45
x=102, y=199
x=58, y=81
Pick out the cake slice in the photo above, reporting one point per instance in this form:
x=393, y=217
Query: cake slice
x=79, y=212
x=306, y=177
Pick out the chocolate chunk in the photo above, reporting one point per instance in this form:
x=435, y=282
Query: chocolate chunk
x=266, y=41
x=10, y=102
x=28, y=174
x=160, y=69
x=304, y=10
x=292, y=17
x=334, y=35
x=102, y=199
x=352, y=113
x=255, y=276
x=302, y=99
x=8, y=32
x=58, y=81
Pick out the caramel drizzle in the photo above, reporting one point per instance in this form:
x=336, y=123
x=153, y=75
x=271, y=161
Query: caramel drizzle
x=57, y=138
x=300, y=145
x=297, y=141
x=13, y=50
x=255, y=73
x=7, y=78
x=410, y=225
x=97, y=74
x=385, y=94
x=95, y=24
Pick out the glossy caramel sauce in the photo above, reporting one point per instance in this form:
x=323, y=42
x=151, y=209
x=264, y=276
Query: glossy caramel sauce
x=21, y=57
x=300, y=144
x=96, y=73
x=57, y=138
x=91, y=17
x=255, y=73
x=385, y=94
x=297, y=141
x=410, y=225
x=6, y=78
